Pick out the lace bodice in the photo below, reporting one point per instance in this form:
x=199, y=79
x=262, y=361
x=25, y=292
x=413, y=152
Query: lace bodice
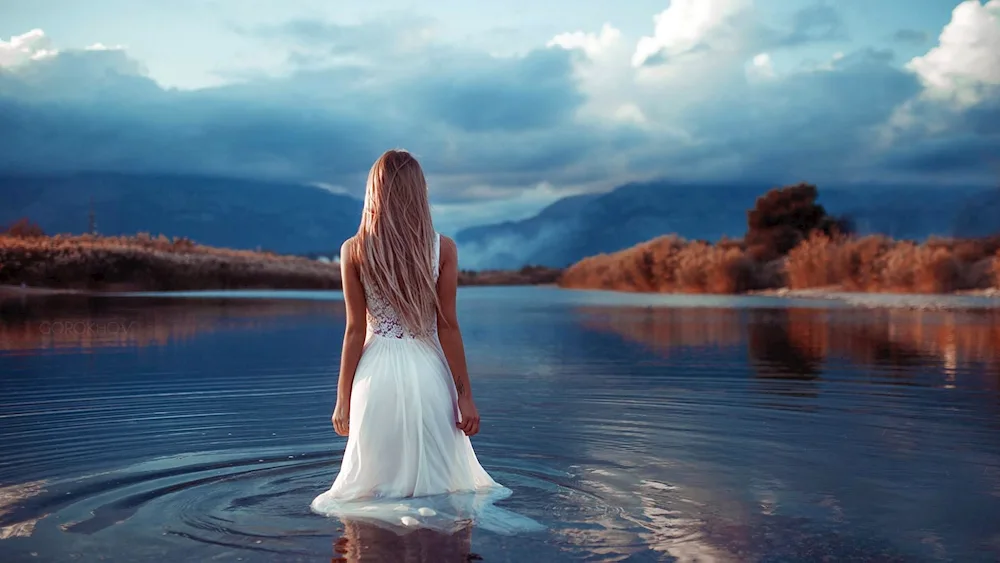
x=383, y=319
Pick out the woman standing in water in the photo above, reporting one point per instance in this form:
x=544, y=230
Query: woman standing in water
x=403, y=398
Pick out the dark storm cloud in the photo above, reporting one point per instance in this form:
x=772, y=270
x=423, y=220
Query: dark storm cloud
x=962, y=141
x=807, y=124
x=949, y=156
x=533, y=92
x=481, y=114
x=473, y=119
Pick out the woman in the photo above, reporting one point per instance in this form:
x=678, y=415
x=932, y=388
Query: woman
x=403, y=397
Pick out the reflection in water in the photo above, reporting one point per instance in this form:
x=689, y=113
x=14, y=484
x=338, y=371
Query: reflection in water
x=664, y=329
x=796, y=343
x=632, y=433
x=779, y=351
x=364, y=541
x=82, y=323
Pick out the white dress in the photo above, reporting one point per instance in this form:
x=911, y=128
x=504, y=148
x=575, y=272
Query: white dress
x=406, y=463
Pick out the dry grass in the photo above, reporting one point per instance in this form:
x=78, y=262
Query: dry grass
x=143, y=262
x=147, y=263
x=874, y=264
x=670, y=264
x=880, y=264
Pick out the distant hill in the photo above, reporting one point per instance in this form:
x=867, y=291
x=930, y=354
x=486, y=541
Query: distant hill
x=300, y=219
x=581, y=226
x=232, y=213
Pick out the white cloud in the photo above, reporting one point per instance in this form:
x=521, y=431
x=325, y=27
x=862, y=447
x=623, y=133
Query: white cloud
x=687, y=25
x=761, y=67
x=959, y=76
x=966, y=62
x=103, y=47
x=651, y=80
x=603, y=74
x=711, y=97
x=31, y=46
x=590, y=43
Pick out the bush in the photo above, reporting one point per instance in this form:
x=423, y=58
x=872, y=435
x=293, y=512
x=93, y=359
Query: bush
x=667, y=264
x=872, y=263
x=23, y=228
x=877, y=263
x=784, y=217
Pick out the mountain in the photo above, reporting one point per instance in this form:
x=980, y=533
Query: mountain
x=233, y=213
x=581, y=226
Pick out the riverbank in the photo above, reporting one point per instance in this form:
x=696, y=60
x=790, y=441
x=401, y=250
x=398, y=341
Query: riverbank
x=86, y=263
x=978, y=298
x=816, y=266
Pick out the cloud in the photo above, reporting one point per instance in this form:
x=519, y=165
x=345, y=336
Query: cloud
x=911, y=37
x=453, y=216
x=688, y=26
x=30, y=46
x=761, y=67
x=390, y=40
x=965, y=66
x=492, y=94
x=473, y=118
x=707, y=94
x=813, y=24
x=951, y=128
x=593, y=45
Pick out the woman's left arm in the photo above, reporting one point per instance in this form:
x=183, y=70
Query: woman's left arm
x=354, y=336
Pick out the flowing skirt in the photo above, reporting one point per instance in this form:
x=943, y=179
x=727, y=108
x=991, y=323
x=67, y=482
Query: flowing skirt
x=406, y=463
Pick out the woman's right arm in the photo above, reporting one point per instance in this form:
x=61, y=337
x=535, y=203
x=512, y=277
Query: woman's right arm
x=451, y=336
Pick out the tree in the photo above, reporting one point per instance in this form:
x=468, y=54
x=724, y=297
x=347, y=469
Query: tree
x=784, y=217
x=23, y=228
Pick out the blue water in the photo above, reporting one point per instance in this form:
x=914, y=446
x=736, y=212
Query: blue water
x=635, y=428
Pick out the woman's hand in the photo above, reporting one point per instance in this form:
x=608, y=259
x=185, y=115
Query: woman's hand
x=341, y=417
x=470, y=416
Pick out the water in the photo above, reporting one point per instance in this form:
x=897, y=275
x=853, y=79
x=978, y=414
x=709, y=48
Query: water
x=634, y=428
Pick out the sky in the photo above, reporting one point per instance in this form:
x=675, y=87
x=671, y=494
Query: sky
x=508, y=105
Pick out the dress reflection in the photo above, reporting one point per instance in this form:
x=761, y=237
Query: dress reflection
x=365, y=541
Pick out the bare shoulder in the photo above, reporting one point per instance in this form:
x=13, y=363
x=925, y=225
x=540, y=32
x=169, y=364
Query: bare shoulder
x=346, y=253
x=449, y=250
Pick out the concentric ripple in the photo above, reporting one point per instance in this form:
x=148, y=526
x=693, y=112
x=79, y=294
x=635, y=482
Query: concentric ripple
x=256, y=504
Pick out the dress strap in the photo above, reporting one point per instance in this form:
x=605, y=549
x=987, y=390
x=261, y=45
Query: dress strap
x=437, y=255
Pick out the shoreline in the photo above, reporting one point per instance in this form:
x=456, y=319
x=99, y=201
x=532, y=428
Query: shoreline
x=891, y=300
x=870, y=300
x=16, y=291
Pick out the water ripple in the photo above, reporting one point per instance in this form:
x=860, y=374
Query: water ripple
x=633, y=433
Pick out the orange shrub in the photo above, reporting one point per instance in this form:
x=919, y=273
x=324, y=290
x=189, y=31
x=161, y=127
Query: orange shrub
x=877, y=263
x=994, y=271
x=872, y=263
x=666, y=264
x=23, y=228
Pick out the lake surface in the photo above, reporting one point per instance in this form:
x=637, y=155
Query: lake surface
x=634, y=428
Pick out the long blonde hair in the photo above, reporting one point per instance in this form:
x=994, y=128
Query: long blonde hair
x=394, y=247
